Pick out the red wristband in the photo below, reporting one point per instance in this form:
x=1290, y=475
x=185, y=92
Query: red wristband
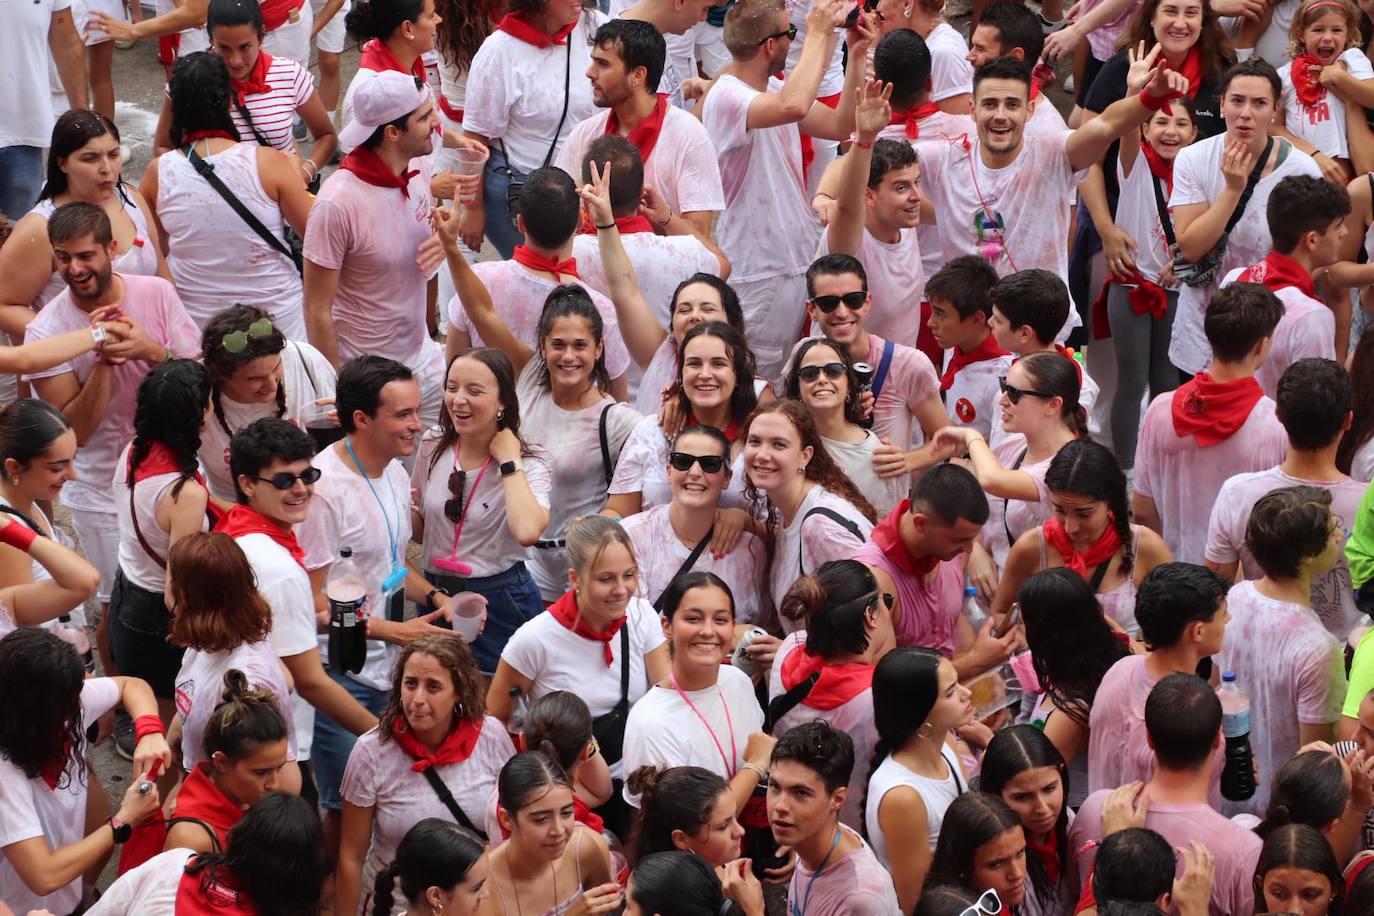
x=864, y=144
x=17, y=535
x=147, y=725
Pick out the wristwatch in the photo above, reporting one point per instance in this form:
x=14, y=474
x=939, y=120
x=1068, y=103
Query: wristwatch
x=122, y=831
x=508, y=468
x=429, y=597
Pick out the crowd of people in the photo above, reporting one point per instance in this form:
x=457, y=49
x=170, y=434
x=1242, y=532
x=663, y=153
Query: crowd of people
x=791, y=467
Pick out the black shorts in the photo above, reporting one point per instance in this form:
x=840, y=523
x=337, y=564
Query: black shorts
x=139, y=620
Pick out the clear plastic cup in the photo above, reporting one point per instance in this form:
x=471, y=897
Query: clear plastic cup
x=469, y=162
x=469, y=610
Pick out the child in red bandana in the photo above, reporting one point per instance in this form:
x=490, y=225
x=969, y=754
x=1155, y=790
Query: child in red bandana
x=959, y=311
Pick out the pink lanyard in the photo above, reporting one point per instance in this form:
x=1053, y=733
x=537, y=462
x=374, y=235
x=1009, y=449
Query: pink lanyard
x=467, y=503
x=730, y=768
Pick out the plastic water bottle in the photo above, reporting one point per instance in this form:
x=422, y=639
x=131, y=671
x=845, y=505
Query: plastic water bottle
x=972, y=610
x=347, y=628
x=69, y=633
x=1238, y=778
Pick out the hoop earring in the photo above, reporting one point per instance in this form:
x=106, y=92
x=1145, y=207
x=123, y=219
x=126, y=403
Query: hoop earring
x=925, y=731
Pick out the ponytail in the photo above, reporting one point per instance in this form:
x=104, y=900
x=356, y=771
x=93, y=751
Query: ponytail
x=246, y=718
x=832, y=604
x=381, y=891
x=1059, y=377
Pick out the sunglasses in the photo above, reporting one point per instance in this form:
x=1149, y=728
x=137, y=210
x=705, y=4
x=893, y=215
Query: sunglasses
x=453, y=508
x=889, y=600
x=789, y=33
x=286, y=480
x=592, y=749
x=237, y=341
x=710, y=464
x=833, y=371
x=1015, y=394
x=852, y=301
x=989, y=904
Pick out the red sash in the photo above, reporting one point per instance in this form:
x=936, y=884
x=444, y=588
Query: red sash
x=912, y=118
x=276, y=12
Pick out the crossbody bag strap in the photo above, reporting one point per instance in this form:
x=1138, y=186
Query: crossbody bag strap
x=607, y=466
x=687, y=564
x=1007, y=502
x=1250, y=183
x=1166, y=223
x=567, y=95
x=884, y=364
x=784, y=703
x=624, y=668
x=835, y=517
x=436, y=783
x=138, y=532
x=305, y=365
x=214, y=839
x=207, y=171
x=248, y=117
x=28, y=522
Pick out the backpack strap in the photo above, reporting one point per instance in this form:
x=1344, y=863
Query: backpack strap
x=885, y=363
x=835, y=517
x=786, y=702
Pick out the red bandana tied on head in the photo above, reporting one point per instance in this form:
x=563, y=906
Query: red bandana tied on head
x=372, y=169
x=1213, y=411
x=645, y=135
x=1106, y=547
x=242, y=520
x=912, y=118
x=517, y=26
x=838, y=684
x=887, y=536
x=1278, y=271
x=456, y=748
x=565, y=611
x=986, y=350
x=255, y=83
x=1306, y=71
x=378, y=58
x=536, y=261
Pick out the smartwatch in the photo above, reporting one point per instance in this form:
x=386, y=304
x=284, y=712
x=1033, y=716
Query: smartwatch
x=508, y=468
x=429, y=597
x=122, y=831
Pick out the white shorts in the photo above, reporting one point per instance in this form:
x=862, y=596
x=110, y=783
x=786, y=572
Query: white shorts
x=292, y=39
x=81, y=14
x=774, y=312
x=98, y=532
x=332, y=37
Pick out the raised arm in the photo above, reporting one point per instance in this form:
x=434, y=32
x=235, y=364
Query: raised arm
x=189, y=15
x=798, y=95
x=1150, y=85
x=845, y=233
x=69, y=53
x=474, y=296
x=73, y=579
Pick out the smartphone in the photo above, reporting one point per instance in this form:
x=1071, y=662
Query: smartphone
x=851, y=18
x=1013, y=620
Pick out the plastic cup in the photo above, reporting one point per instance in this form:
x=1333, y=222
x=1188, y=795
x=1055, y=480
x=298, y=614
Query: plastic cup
x=469, y=608
x=317, y=415
x=470, y=162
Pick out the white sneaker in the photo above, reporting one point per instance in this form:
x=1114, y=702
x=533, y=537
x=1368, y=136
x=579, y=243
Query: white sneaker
x=1048, y=27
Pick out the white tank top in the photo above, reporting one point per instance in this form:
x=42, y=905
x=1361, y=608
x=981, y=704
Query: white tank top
x=134, y=561
x=938, y=795
x=215, y=258
x=140, y=259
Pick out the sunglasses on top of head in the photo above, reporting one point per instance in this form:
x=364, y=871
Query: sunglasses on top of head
x=1015, y=394
x=853, y=301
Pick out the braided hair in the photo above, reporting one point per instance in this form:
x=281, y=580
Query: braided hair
x=1087, y=469
x=222, y=364
x=169, y=410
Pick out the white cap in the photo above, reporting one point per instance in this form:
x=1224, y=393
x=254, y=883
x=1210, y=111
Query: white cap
x=380, y=97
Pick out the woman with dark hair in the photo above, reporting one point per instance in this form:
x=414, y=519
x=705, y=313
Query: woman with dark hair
x=1319, y=789
x=914, y=776
x=1355, y=454
x=792, y=480
x=435, y=723
x=681, y=884
x=822, y=379
x=160, y=497
x=982, y=846
x=560, y=725
x=275, y=864
x=1025, y=770
x=213, y=254
x=480, y=459
x=1090, y=533
x=43, y=783
x=1072, y=647
x=256, y=372
x=441, y=867
x=951, y=900
x=463, y=26
x=1359, y=885
x=287, y=24
x=687, y=808
x=1298, y=873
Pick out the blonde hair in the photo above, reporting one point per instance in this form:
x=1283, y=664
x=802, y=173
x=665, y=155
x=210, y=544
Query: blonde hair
x=589, y=536
x=748, y=24
x=1313, y=10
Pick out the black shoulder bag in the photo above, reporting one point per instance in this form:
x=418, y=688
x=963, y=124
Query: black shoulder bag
x=1203, y=271
x=609, y=728
x=518, y=184
x=440, y=789
x=207, y=171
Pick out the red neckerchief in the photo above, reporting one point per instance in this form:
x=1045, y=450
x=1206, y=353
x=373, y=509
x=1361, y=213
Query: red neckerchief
x=276, y=12
x=1068, y=354
x=986, y=350
x=159, y=460
x=242, y=520
x=1106, y=547
x=517, y=26
x=888, y=539
x=532, y=259
x=1159, y=167
x=456, y=748
x=1191, y=69
x=627, y=225
x=1035, y=88
x=201, y=894
x=372, y=169
x=1213, y=411
x=912, y=118
x=194, y=135
x=731, y=431
x=1277, y=271
x=256, y=81
x=200, y=798
x=1049, y=855
x=838, y=684
x=645, y=135
x=378, y=57
x=565, y=611
x=52, y=773
x=1306, y=71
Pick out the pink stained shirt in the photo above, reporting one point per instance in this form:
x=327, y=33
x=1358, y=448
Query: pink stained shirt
x=929, y=612
x=856, y=885
x=896, y=280
x=1307, y=328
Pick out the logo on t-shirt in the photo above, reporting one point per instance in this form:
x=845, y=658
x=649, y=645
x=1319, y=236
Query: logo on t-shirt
x=185, y=694
x=990, y=227
x=963, y=409
x=1318, y=113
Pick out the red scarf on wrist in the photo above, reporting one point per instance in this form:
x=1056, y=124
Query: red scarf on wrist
x=838, y=684
x=378, y=58
x=912, y=118
x=532, y=259
x=1191, y=69
x=456, y=748
x=194, y=135
x=255, y=83
x=1278, y=271
x=986, y=350
x=565, y=611
x=644, y=135
x=159, y=460
x=1306, y=71
x=242, y=520
x=517, y=26
x=372, y=169
x=1159, y=167
x=887, y=536
x=1106, y=547
x=1213, y=411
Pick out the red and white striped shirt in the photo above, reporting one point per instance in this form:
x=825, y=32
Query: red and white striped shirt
x=272, y=111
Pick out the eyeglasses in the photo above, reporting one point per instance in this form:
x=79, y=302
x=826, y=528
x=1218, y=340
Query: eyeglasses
x=789, y=33
x=889, y=600
x=852, y=301
x=710, y=464
x=453, y=508
x=989, y=904
x=1015, y=394
x=833, y=371
x=286, y=480
x=237, y=341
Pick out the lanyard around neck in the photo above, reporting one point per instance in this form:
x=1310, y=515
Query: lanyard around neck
x=392, y=537
x=806, y=898
x=730, y=766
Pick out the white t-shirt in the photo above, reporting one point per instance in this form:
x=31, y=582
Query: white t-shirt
x=26, y=114
x=28, y=809
x=973, y=395
x=149, y=890
x=1272, y=45
x=1323, y=124
x=663, y=730
x=1198, y=180
x=643, y=469
x=832, y=80
x=1137, y=214
x=1307, y=328
x=856, y=460
x=200, y=688
x=800, y=548
x=950, y=72
x=661, y=262
x=897, y=281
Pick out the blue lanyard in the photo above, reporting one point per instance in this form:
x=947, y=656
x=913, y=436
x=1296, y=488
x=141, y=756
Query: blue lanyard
x=391, y=538
x=806, y=898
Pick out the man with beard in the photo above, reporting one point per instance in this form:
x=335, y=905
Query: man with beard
x=677, y=21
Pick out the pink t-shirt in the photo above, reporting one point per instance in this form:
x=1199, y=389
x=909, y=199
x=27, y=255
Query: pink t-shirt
x=929, y=609
x=1292, y=669
x=1183, y=478
x=813, y=538
x=152, y=303
x=1333, y=598
x=370, y=235
x=1307, y=328
x=855, y=885
x=896, y=280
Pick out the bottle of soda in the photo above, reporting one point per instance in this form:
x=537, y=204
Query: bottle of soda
x=347, y=630
x=1238, y=778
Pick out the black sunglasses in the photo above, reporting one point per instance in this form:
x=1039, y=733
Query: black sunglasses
x=682, y=461
x=1015, y=394
x=286, y=480
x=789, y=33
x=852, y=301
x=453, y=508
x=833, y=371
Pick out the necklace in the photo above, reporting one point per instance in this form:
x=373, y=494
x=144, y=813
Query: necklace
x=515, y=888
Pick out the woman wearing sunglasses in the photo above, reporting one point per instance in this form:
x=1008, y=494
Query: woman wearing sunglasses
x=256, y=372
x=1090, y=533
x=822, y=378
x=483, y=498
x=982, y=846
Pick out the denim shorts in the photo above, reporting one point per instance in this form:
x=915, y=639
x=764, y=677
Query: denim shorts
x=138, y=636
x=512, y=599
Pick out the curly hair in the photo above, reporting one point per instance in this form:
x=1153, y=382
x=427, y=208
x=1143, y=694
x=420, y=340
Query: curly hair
x=1214, y=47
x=743, y=398
x=455, y=658
x=222, y=364
x=169, y=410
x=200, y=93
x=463, y=26
x=41, y=720
x=1085, y=468
x=1309, y=13
x=853, y=411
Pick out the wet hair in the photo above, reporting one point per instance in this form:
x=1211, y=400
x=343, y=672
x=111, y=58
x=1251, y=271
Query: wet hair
x=948, y=493
x=671, y=798
x=890, y=156
x=853, y=410
x=380, y=18
x=729, y=300
x=73, y=130
x=1314, y=397
x=1135, y=865
x=526, y=777
x=971, y=820
x=78, y=219
x=1309, y=788
x=1215, y=48
x=1085, y=468
x=906, y=686
x=169, y=409
x=1011, y=752
x=677, y=590
x=434, y=853
x=1238, y=317
x=568, y=300
x=245, y=719
x=275, y=855
x=743, y=398
x=748, y=24
x=946, y=899
x=549, y=207
x=622, y=157
x=360, y=384
x=255, y=447
x=679, y=883
x=41, y=727
x=1058, y=376
x=222, y=364
x=1300, y=204
x=903, y=59
x=499, y=365
x=1017, y=27
x=1313, y=10
x=1003, y=68
x=1071, y=645
x=1034, y=298
x=965, y=283
x=463, y=26
x=1182, y=719
x=834, y=264
x=588, y=537
x=201, y=94
x=232, y=13
x=1362, y=391
x=1304, y=848
x=1287, y=526
x=218, y=606
x=28, y=428
x=821, y=748
x=1174, y=595
x=638, y=44
x=455, y=658
x=832, y=604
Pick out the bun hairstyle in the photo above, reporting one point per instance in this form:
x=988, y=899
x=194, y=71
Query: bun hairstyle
x=676, y=798
x=246, y=718
x=1085, y=468
x=906, y=684
x=559, y=725
x=380, y=18
x=832, y=603
x=433, y=853
x=1310, y=788
x=1057, y=376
